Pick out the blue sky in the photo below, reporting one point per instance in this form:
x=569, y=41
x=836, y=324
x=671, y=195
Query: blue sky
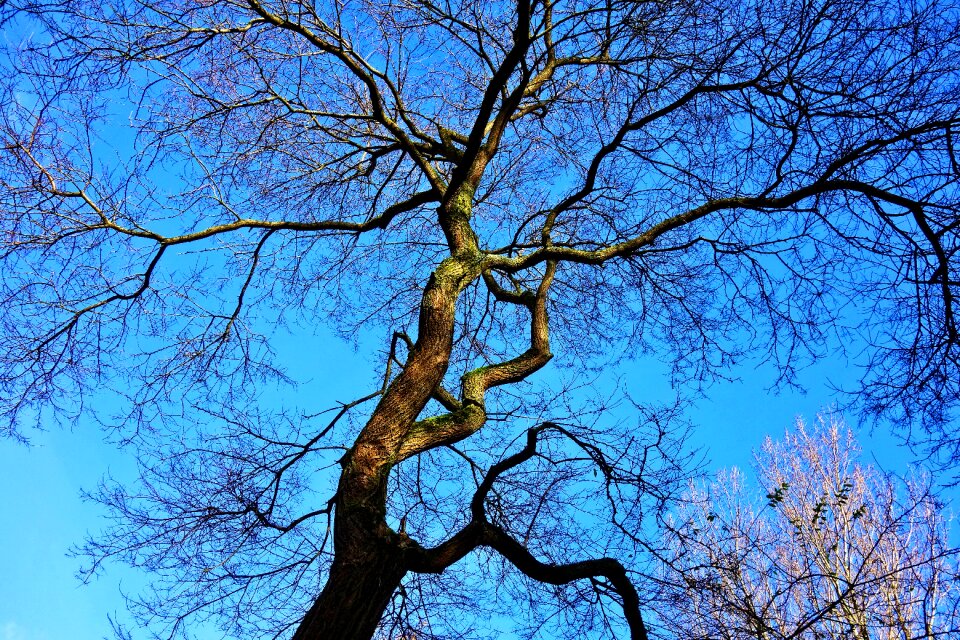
x=39, y=597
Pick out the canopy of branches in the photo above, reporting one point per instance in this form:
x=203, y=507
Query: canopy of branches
x=483, y=187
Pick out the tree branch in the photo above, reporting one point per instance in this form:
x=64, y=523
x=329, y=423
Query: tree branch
x=480, y=532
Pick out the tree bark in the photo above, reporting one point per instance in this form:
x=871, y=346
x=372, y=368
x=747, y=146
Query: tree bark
x=369, y=560
x=355, y=597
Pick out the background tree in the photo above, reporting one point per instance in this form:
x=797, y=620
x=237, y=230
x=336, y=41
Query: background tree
x=838, y=551
x=479, y=185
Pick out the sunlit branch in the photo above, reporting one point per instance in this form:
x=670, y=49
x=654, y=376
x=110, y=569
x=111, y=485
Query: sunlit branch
x=359, y=68
x=472, y=414
x=440, y=394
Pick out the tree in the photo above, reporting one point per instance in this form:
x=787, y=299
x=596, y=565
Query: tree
x=838, y=551
x=480, y=185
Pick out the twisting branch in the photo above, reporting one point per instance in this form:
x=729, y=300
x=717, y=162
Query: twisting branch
x=748, y=175
x=472, y=413
x=481, y=532
x=558, y=574
x=440, y=394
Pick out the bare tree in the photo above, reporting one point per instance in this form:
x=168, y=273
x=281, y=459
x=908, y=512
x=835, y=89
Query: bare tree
x=479, y=185
x=839, y=550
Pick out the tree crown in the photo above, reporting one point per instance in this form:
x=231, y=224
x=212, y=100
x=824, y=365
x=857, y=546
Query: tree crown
x=489, y=184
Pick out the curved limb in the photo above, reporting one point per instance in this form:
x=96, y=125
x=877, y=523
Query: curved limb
x=480, y=532
x=471, y=414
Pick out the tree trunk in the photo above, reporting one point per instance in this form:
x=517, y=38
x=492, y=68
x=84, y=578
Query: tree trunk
x=369, y=560
x=354, y=599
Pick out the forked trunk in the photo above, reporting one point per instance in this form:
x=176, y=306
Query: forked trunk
x=354, y=599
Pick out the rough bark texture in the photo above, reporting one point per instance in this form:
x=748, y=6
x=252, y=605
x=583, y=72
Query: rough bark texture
x=354, y=598
x=369, y=560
